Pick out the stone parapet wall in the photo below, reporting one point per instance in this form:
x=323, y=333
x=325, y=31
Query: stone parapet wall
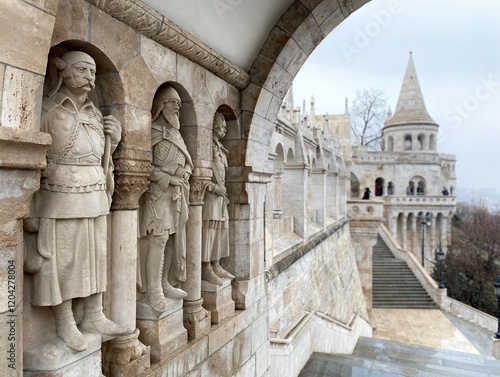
x=323, y=281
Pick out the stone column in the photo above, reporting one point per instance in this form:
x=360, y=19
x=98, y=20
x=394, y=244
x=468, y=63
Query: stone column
x=126, y=355
x=404, y=235
x=196, y=319
x=431, y=245
x=414, y=235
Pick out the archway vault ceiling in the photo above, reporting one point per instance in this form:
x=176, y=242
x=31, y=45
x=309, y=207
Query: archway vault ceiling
x=235, y=28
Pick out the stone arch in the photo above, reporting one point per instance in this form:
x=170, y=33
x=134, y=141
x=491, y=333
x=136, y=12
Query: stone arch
x=232, y=139
x=421, y=142
x=293, y=38
x=109, y=96
x=420, y=185
x=379, y=186
x=289, y=156
x=408, y=143
x=279, y=159
x=432, y=143
x=188, y=120
x=391, y=189
x=355, y=193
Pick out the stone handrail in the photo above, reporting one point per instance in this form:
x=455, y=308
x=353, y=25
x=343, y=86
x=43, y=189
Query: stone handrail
x=439, y=296
x=420, y=199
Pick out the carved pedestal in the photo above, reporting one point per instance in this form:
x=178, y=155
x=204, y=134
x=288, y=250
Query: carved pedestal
x=163, y=332
x=217, y=299
x=126, y=356
x=53, y=358
x=196, y=318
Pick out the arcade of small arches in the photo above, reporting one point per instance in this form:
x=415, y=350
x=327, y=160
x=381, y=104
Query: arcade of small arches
x=421, y=231
x=416, y=186
x=411, y=142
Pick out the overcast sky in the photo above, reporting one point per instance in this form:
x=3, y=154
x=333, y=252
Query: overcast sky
x=456, y=51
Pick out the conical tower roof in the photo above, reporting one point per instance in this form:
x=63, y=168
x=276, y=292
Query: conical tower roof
x=411, y=106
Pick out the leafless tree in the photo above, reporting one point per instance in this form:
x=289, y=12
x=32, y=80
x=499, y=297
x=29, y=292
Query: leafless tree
x=473, y=259
x=368, y=113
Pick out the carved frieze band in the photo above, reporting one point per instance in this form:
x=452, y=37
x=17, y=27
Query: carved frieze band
x=154, y=25
x=131, y=172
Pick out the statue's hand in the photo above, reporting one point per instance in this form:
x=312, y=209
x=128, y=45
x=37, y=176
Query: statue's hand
x=219, y=190
x=113, y=128
x=177, y=181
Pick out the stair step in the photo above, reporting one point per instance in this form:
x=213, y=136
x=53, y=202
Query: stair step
x=393, y=283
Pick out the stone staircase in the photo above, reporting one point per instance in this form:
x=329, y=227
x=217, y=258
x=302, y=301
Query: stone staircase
x=394, y=285
x=385, y=358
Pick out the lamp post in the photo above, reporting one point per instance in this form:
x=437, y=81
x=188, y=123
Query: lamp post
x=496, y=286
x=440, y=257
x=425, y=223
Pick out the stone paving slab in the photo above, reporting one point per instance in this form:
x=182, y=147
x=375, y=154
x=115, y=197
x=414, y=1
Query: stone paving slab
x=423, y=327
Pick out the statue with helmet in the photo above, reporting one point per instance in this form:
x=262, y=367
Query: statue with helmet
x=164, y=208
x=69, y=212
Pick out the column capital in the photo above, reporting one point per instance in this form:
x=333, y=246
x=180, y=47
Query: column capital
x=132, y=169
x=198, y=186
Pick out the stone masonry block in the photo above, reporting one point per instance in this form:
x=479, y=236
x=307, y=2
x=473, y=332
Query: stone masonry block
x=119, y=41
x=160, y=60
x=21, y=102
x=72, y=21
x=31, y=29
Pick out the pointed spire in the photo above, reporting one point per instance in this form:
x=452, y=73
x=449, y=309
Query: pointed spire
x=389, y=114
x=411, y=106
x=346, y=107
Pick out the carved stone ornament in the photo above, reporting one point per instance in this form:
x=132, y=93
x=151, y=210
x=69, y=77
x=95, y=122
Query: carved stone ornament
x=132, y=169
x=197, y=192
x=164, y=207
x=152, y=24
x=69, y=212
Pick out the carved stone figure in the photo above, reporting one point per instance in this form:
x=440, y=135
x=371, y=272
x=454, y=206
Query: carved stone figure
x=215, y=231
x=69, y=211
x=164, y=208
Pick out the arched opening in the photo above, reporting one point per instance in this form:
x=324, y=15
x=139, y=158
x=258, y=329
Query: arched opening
x=421, y=188
x=390, y=188
x=432, y=143
x=421, y=142
x=379, y=186
x=410, y=189
x=408, y=145
x=355, y=194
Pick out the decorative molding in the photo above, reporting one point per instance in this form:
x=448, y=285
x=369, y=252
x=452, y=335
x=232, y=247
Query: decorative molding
x=197, y=190
x=156, y=26
x=132, y=169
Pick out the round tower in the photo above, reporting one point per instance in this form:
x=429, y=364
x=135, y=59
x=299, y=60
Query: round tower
x=411, y=128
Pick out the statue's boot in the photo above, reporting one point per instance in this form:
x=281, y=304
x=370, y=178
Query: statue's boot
x=66, y=327
x=154, y=272
x=169, y=290
x=207, y=274
x=95, y=321
x=172, y=292
x=220, y=272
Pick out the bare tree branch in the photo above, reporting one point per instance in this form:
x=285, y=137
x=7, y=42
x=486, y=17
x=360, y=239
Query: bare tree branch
x=368, y=112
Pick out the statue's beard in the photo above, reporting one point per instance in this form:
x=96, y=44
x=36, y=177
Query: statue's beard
x=173, y=119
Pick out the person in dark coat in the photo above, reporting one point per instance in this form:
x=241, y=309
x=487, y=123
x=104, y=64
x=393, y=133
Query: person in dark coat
x=366, y=195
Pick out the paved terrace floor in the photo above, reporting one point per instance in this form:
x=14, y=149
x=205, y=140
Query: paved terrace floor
x=431, y=328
